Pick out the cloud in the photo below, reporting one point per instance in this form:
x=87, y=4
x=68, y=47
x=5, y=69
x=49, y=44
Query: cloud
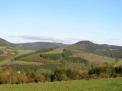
x=114, y=41
x=33, y=38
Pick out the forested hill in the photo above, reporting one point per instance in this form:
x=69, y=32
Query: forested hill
x=99, y=49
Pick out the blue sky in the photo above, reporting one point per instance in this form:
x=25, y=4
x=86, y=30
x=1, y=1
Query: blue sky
x=66, y=21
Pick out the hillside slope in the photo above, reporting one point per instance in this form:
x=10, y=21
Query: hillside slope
x=99, y=49
x=39, y=45
x=5, y=43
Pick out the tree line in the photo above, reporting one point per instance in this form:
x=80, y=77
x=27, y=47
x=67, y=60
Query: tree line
x=10, y=76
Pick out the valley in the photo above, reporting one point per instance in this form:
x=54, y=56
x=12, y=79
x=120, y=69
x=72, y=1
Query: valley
x=58, y=62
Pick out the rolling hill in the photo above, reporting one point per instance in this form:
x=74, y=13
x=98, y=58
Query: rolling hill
x=29, y=53
x=39, y=45
x=86, y=46
x=5, y=43
x=47, y=58
x=99, y=49
x=32, y=46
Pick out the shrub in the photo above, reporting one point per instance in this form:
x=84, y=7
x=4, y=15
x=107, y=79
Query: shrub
x=7, y=75
x=39, y=78
x=22, y=77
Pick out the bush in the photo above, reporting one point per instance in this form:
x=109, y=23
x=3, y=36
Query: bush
x=39, y=78
x=22, y=77
x=7, y=75
x=10, y=76
x=65, y=74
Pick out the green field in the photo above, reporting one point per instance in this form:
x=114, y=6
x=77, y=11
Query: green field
x=83, y=85
x=55, y=51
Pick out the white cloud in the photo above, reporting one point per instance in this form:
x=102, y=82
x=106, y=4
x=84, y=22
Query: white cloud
x=114, y=41
x=33, y=38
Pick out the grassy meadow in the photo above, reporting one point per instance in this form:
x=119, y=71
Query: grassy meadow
x=83, y=85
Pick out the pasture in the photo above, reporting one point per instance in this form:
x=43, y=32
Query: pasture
x=83, y=85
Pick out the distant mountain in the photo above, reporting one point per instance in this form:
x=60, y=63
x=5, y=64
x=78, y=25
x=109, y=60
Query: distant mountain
x=100, y=49
x=87, y=46
x=39, y=45
x=5, y=43
x=32, y=46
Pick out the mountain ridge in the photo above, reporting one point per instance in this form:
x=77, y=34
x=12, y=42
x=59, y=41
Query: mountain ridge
x=4, y=42
x=87, y=46
x=100, y=49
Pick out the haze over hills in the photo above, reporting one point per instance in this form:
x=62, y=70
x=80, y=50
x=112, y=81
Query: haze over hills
x=87, y=46
x=39, y=45
x=33, y=45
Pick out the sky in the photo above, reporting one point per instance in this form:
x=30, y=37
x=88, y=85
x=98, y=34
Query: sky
x=65, y=21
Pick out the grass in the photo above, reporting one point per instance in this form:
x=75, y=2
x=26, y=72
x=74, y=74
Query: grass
x=31, y=68
x=55, y=51
x=34, y=57
x=83, y=85
x=118, y=63
x=22, y=52
x=9, y=54
x=26, y=63
x=95, y=58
